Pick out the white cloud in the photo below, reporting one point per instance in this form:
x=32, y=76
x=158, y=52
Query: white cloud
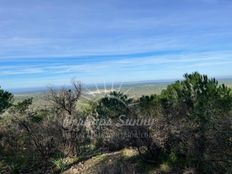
x=190, y=60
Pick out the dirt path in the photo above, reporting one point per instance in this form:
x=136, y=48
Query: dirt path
x=115, y=162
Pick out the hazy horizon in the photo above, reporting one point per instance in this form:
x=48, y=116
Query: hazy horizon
x=226, y=80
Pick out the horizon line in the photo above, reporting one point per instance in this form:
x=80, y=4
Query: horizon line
x=35, y=89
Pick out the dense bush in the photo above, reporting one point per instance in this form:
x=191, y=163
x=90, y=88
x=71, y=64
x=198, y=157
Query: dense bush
x=198, y=110
x=5, y=100
x=191, y=127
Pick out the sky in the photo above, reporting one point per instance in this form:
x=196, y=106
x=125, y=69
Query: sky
x=50, y=42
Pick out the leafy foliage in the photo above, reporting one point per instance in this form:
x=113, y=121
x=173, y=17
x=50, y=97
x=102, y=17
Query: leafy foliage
x=5, y=100
x=191, y=128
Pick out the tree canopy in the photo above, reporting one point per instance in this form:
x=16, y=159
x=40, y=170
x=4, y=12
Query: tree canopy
x=5, y=100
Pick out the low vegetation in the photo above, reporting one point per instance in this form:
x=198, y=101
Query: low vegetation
x=187, y=128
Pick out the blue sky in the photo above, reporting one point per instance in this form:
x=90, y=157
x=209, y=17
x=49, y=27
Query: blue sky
x=44, y=42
